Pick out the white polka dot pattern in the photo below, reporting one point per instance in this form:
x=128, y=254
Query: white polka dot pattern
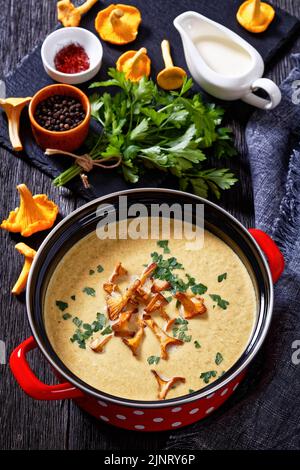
x=210, y=396
x=104, y=418
x=158, y=420
x=102, y=403
x=138, y=412
x=139, y=426
x=224, y=392
x=209, y=410
x=235, y=387
x=175, y=410
x=177, y=423
x=122, y=417
x=193, y=411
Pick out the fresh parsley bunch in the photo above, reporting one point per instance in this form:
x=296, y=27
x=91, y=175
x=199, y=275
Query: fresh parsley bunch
x=152, y=128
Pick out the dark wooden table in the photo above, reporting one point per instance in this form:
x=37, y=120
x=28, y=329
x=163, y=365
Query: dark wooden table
x=25, y=423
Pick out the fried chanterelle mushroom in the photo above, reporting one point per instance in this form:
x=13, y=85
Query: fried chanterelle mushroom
x=164, y=339
x=192, y=304
x=134, y=343
x=97, y=345
x=164, y=385
x=118, y=24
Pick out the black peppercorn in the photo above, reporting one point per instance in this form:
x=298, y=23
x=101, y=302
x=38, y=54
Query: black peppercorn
x=59, y=113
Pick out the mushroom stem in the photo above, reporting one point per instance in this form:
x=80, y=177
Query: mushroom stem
x=137, y=55
x=86, y=6
x=13, y=108
x=116, y=15
x=14, y=128
x=165, y=48
x=29, y=254
x=256, y=9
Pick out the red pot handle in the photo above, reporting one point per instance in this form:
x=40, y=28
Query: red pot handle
x=271, y=250
x=30, y=383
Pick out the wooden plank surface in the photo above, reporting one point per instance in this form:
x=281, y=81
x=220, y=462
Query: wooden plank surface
x=25, y=423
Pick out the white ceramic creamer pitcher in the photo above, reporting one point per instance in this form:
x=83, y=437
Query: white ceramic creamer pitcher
x=222, y=63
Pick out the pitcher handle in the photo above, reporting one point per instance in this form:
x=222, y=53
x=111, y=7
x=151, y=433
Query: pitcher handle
x=270, y=88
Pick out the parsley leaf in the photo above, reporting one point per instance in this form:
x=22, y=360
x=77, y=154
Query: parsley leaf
x=107, y=330
x=220, y=302
x=61, y=305
x=197, y=344
x=66, y=316
x=222, y=277
x=218, y=359
x=164, y=244
x=153, y=360
x=89, y=291
x=206, y=376
x=199, y=289
x=100, y=268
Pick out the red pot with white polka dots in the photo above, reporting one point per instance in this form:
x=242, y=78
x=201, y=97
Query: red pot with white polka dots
x=257, y=250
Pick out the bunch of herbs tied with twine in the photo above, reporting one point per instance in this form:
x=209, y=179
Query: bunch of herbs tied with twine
x=145, y=127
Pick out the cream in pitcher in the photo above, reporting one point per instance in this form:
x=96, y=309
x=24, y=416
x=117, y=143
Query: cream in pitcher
x=222, y=63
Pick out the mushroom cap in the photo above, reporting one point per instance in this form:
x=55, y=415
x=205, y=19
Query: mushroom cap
x=258, y=24
x=35, y=213
x=67, y=13
x=123, y=30
x=134, y=72
x=171, y=78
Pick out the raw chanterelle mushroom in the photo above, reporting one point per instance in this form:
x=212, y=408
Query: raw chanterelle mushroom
x=29, y=254
x=255, y=16
x=118, y=24
x=13, y=108
x=171, y=77
x=69, y=15
x=135, y=64
x=35, y=213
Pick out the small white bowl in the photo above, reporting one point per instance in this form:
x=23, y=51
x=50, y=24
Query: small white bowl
x=61, y=38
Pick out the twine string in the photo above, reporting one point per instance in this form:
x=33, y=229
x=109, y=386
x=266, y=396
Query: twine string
x=86, y=162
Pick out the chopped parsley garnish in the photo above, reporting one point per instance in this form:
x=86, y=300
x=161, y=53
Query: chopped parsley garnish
x=179, y=331
x=107, y=330
x=73, y=297
x=197, y=344
x=199, y=289
x=61, y=305
x=169, y=299
x=86, y=330
x=101, y=319
x=66, y=316
x=206, y=376
x=164, y=244
x=100, y=268
x=222, y=277
x=220, y=302
x=178, y=303
x=191, y=390
x=89, y=291
x=218, y=359
x=153, y=360
x=91, y=272
x=77, y=322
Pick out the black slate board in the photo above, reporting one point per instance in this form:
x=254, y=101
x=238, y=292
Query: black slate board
x=157, y=24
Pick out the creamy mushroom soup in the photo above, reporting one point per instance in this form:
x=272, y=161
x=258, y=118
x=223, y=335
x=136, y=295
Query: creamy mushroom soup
x=148, y=319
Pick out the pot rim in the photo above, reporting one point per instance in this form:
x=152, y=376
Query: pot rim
x=206, y=391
